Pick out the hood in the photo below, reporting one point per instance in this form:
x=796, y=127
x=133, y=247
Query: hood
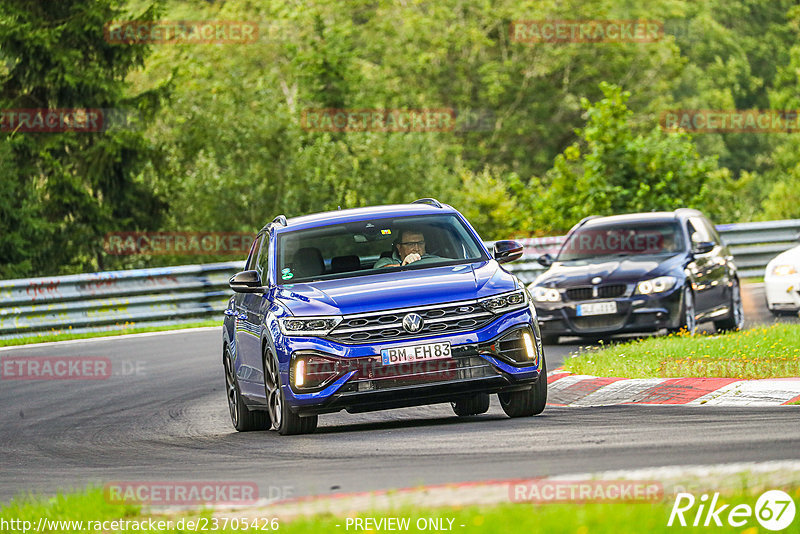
x=616, y=270
x=791, y=256
x=417, y=287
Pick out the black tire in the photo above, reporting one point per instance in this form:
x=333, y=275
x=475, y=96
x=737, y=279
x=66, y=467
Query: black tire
x=529, y=402
x=285, y=421
x=472, y=405
x=688, y=322
x=735, y=320
x=243, y=419
x=550, y=339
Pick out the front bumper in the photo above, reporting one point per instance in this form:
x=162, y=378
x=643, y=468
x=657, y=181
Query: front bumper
x=635, y=314
x=782, y=292
x=480, y=363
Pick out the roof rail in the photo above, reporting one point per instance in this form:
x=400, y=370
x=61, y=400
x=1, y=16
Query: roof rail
x=429, y=201
x=585, y=219
x=280, y=219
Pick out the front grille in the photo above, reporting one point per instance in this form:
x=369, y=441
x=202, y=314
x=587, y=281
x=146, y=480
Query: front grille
x=388, y=325
x=373, y=376
x=603, y=292
x=600, y=321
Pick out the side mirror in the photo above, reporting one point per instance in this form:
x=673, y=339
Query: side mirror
x=246, y=282
x=506, y=251
x=545, y=260
x=703, y=247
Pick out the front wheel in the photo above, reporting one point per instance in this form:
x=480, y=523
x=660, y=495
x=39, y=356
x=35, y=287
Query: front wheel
x=243, y=419
x=550, y=339
x=284, y=420
x=735, y=320
x=688, y=316
x=529, y=402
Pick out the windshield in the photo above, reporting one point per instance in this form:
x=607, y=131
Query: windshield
x=602, y=241
x=375, y=246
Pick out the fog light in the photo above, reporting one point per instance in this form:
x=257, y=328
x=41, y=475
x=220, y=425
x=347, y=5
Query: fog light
x=299, y=373
x=531, y=352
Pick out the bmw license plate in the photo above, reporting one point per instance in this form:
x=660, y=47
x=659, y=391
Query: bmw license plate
x=596, y=308
x=415, y=353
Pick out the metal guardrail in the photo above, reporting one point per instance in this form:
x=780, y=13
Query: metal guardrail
x=172, y=295
x=110, y=300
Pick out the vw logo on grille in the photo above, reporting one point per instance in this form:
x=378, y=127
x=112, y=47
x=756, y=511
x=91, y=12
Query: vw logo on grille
x=412, y=322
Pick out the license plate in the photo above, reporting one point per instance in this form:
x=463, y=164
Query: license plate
x=597, y=308
x=415, y=353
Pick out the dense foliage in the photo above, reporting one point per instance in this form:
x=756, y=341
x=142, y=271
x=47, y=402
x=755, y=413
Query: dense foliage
x=566, y=129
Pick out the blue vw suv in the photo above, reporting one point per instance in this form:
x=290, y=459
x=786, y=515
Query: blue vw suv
x=378, y=308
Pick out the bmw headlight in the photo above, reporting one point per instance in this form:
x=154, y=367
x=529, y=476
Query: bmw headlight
x=656, y=285
x=308, y=326
x=505, y=302
x=545, y=294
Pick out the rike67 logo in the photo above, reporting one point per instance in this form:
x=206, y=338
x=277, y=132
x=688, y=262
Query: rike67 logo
x=774, y=510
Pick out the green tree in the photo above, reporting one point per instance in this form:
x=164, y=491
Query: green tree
x=68, y=189
x=613, y=169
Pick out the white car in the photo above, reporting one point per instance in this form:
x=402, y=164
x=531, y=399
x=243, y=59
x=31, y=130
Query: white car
x=782, y=282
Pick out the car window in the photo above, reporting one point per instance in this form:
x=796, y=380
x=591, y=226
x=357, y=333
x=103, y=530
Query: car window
x=698, y=230
x=252, y=255
x=603, y=240
x=353, y=249
x=262, y=265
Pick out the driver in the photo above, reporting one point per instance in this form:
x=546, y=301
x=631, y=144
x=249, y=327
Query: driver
x=409, y=248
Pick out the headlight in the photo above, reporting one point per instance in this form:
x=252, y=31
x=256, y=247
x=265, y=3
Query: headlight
x=308, y=326
x=545, y=294
x=784, y=270
x=656, y=285
x=505, y=302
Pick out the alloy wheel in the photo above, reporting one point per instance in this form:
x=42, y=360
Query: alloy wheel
x=272, y=383
x=231, y=389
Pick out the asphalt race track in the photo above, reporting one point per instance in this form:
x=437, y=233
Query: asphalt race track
x=162, y=416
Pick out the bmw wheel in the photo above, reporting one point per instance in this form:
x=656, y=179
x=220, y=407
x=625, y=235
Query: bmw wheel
x=735, y=320
x=243, y=419
x=284, y=420
x=688, y=316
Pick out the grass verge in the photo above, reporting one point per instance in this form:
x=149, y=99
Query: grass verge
x=92, y=509
x=769, y=352
x=131, y=329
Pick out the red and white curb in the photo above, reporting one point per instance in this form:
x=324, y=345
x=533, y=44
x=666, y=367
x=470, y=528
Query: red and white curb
x=566, y=389
x=733, y=477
